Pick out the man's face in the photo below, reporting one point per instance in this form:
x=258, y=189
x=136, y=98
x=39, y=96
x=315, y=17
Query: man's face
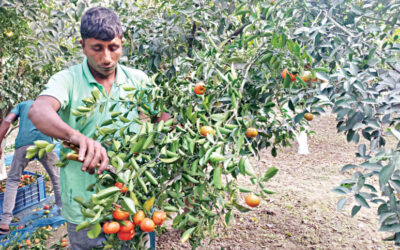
x=102, y=55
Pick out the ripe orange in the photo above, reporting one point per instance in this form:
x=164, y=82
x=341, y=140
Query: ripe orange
x=147, y=225
x=199, y=88
x=111, y=227
x=252, y=200
x=206, y=130
x=251, y=132
x=64, y=240
x=118, y=214
x=28, y=242
x=127, y=228
x=308, y=116
x=292, y=76
x=159, y=217
x=37, y=241
x=139, y=216
x=122, y=187
x=63, y=244
x=126, y=236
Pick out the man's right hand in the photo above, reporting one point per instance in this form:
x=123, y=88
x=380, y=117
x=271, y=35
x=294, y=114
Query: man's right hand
x=91, y=152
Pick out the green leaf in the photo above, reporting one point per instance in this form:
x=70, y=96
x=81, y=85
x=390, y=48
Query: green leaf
x=216, y=157
x=220, y=117
x=217, y=177
x=271, y=172
x=149, y=204
x=385, y=174
x=128, y=204
x=186, y=235
x=340, y=190
x=95, y=231
x=287, y=81
x=248, y=168
x=394, y=132
x=169, y=160
x=355, y=210
x=341, y=204
x=395, y=228
x=361, y=200
x=228, y=217
x=347, y=167
x=241, y=208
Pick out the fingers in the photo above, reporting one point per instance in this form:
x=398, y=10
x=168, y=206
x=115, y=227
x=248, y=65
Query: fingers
x=88, y=157
x=92, y=154
x=104, y=161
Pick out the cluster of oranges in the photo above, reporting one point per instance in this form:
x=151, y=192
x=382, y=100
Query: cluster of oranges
x=25, y=180
x=125, y=228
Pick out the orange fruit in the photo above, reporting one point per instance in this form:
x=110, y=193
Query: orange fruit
x=63, y=244
x=138, y=217
x=122, y=187
x=64, y=240
x=159, y=217
x=292, y=76
x=37, y=241
x=251, y=132
x=308, y=116
x=111, y=227
x=118, y=214
x=147, y=225
x=206, y=130
x=307, y=76
x=200, y=88
x=28, y=242
x=252, y=200
x=126, y=236
x=127, y=228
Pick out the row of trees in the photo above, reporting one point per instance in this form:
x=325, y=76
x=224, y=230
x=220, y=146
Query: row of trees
x=238, y=49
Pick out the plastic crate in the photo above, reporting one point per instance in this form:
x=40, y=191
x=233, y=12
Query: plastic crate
x=28, y=195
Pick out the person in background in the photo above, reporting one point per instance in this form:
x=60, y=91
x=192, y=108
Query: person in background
x=101, y=33
x=27, y=134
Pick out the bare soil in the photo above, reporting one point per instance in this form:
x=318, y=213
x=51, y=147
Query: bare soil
x=302, y=213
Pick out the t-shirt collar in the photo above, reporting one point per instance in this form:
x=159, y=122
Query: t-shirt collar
x=120, y=78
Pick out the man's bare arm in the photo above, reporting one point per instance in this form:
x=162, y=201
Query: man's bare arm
x=5, y=125
x=43, y=115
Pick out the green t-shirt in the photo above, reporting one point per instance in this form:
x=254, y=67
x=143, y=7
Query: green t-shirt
x=69, y=87
x=27, y=132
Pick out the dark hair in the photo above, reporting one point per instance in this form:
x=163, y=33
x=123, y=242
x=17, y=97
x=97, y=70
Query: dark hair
x=100, y=23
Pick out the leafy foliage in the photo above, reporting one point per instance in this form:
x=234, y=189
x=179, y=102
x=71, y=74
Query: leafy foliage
x=238, y=49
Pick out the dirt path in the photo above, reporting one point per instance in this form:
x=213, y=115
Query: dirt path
x=302, y=214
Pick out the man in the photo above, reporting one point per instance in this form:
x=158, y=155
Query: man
x=27, y=134
x=101, y=42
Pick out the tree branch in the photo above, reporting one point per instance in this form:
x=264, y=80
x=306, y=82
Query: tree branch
x=191, y=39
x=394, y=68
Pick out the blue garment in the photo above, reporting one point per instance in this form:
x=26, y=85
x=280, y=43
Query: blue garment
x=27, y=133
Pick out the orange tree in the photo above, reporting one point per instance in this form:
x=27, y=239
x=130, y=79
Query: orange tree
x=358, y=41
x=36, y=42
x=189, y=165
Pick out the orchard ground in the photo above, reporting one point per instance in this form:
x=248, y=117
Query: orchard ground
x=302, y=213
